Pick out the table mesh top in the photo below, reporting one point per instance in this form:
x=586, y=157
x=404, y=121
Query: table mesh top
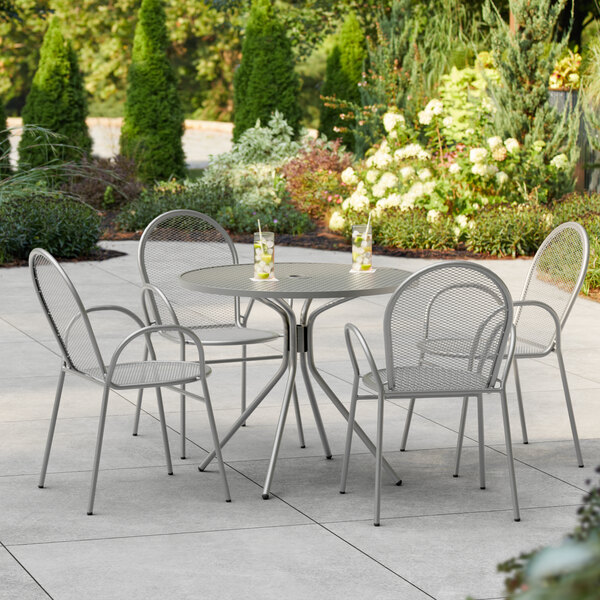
x=295, y=280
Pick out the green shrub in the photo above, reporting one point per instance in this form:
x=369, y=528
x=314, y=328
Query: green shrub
x=282, y=218
x=265, y=80
x=65, y=227
x=5, y=169
x=153, y=120
x=56, y=102
x=342, y=76
x=198, y=195
x=412, y=229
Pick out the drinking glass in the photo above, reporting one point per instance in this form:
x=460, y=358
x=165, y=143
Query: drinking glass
x=264, y=255
x=362, y=248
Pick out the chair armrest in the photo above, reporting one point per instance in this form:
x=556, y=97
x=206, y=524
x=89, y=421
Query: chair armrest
x=116, y=308
x=147, y=332
x=350, y=329
x=545, y=307
x=149, y=294
x=509, y=355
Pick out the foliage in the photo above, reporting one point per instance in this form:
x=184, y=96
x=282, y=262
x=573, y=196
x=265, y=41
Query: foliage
x=265, y=80
x=421, y=165
x=105, y=183
x=525, y=61
x=194, y=195
x=413, y=229
x=56, y=102
x=5, y=168
x=565, y=75
x=313, y=178
x=343, y=74
x=570, y=570
x=63, y=226
x=153, y=122
x=250, y=169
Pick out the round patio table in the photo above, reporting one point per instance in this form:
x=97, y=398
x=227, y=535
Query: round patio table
x=305, y=281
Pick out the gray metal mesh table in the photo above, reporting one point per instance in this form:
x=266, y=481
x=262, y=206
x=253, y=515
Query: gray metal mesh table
x=306, y=281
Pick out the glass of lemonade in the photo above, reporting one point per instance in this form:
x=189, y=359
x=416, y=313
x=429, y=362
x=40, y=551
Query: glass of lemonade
x=362, y=248
x=264, y=255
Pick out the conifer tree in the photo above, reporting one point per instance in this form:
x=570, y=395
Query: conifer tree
x=342, y=76
x=5, y=169
x=56, y=102
x=525, y=60
x=265, y=80
x=153, y=122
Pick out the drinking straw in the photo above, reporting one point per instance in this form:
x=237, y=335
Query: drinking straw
x=260, y=235
x=368, y=223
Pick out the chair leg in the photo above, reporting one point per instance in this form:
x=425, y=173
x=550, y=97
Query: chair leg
x=509, y=457
x=563, y=376
x=243, y=401
x=481, y=440
x=182, y=408
x=59, y=388
x=349, y=432
x=461, y=434
x=520, y=401
x=138, y=406
x=96, y=466
x=298, y=417
x=409, y=415
x=215, y=438
x=163, y=429
x=378, y=460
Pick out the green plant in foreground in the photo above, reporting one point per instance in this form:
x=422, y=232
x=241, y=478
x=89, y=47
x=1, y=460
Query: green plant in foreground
x=153, y=121
x=56, y=102
x=5, y=168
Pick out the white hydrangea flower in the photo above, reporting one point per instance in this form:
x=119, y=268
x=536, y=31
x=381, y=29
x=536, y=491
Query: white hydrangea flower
x=429, y=187
x=379, y=190
x=512, y=145
x=435, y=106
x=391, y=119
x=456, y=231
x=539, y=145
x=369, y=162
x=425, y=117
x=423, y=155
x=382, y=159
x=480, y=169
x=393, y=134
x=372, y=175
x=454, y=168
x=337, y=221
x=358, y=201
x=549, y=219
x=494, y=142
x=491, y=170
x=408, y=202
x=346, y=204
x=478, y=155
x=349, y=176
x=433, y=216
x=501, y=178
x=424, y=174
x=409, y=151
x=560, y=161
x=462, y=221
x=416, y=190
x=448, y=122
x=388, y=180
x=406, y=172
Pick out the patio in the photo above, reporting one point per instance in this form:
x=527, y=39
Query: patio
x=154, y=536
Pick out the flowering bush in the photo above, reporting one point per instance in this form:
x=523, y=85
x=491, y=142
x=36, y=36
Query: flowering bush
x=313, y=177
x=421, y=166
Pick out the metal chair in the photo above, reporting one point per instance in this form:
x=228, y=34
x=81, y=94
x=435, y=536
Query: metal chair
x=439, y=304
x=71, y=326
x=551, y=287
x=179, y=241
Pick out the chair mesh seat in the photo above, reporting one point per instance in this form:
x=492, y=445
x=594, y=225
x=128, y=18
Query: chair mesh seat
x=528, y=347
x=428, y=379
x=152, y=373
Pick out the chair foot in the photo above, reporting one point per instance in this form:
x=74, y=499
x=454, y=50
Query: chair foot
x=517, y=520
x=376, y=524
x=342, y=492
x=243, y=425
x=134, y=434
x=201, y=470
x=302, y=446
x=171, y=473
x=527, y=442
x=183, y=457
x=402, y=449
x=581, y=466
x=265, y=496
x=482, y=487
x=328, y=457
x=90, y=513
x=455, y=475
x=41, y=487
x=399, y=482
x=228, y=500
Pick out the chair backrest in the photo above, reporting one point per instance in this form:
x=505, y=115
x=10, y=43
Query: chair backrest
x=65, y=312
x=179, y=241
x=454, y=316
x=555, y=278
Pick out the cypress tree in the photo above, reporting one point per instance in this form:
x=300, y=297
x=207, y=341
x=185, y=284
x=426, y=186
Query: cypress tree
x=153, y=123
x=265, y=80
x=5, y=169
x=525, y=60
x=56, y=102
x=342, y=76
